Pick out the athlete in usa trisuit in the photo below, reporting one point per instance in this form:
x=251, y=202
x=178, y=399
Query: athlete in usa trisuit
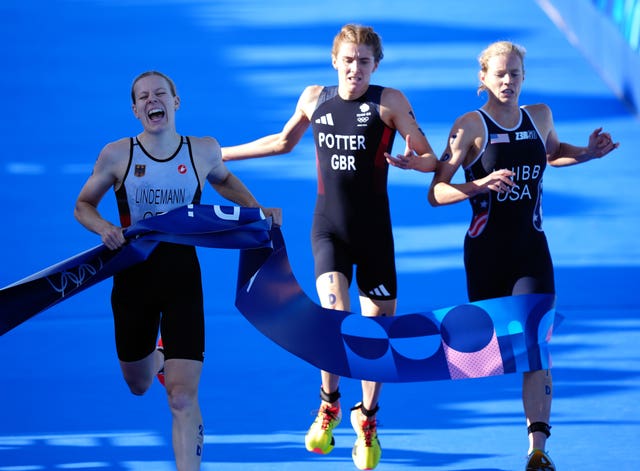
x=504, y=149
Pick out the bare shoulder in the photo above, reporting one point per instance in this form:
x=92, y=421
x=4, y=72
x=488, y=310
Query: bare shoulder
x=542, y=118
x=207, y=156
x=308, y=99
x=117, y=149
x=311, y=92
x=115, y=154
x=540, y=113
x=470, y=122
x=204, y=147
x=467, y=137
x=392, y=97
x=112, y=163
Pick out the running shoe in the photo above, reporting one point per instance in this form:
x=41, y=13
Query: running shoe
x=160, y=374
x=538, y=460
x=319, y=438
x=366, y=451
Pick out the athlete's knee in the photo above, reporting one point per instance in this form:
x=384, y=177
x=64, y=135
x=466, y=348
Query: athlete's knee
x=138, y=386
x=182, y=398
x=138, y=375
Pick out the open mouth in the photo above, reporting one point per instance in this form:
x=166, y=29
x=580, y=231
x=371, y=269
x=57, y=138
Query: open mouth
x=155, y=114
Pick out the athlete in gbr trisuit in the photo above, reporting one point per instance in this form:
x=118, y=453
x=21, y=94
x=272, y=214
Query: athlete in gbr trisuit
x=354, y=125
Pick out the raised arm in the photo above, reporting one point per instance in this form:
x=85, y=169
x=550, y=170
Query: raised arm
x=107, y=172
x=230, y=187
x=563, y=154
x=285, y=140
x=396, y=112
x=466, y=139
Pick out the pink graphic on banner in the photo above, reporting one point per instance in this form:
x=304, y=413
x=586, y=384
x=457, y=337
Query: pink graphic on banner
x=484, y=362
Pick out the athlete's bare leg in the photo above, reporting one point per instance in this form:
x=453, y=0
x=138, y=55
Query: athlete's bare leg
x=537, y=386
x=181, y=381
x=373, y=308
x=139, y=375
x=333, y=291
x=537, y=393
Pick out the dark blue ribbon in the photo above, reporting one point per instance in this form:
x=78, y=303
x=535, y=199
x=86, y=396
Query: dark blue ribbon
x=485, y=338
x=492, y=337
x=203, y=225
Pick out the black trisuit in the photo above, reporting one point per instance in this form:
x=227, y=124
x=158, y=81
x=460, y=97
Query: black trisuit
x=352, y=223
x=167, y=287
x=505, y=241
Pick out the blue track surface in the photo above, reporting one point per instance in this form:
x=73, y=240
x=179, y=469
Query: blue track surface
x=240, y=66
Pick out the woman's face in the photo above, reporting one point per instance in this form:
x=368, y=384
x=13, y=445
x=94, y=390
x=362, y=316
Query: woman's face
x=154, y=105
x=355, y=64
x=503, y=77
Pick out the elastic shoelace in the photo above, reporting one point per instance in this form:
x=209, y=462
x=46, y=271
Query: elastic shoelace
x=330, y=413
x=369, y=429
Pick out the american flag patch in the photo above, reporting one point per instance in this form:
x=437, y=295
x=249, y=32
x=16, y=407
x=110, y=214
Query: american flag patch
x=478, y=224
x=499, y=138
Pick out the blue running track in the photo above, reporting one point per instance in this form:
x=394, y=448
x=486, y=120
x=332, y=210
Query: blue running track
x=240, y=66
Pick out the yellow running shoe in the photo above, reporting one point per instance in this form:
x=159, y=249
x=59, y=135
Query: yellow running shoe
x=539, y=461
x=366, y=451
x=319, y=439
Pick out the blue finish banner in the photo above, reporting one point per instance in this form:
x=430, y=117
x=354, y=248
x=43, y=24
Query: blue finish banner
x=486, y=338
x=203, y=225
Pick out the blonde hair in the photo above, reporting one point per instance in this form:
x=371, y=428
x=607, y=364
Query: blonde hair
x=172, y=86
x=359, y=34
x=499, y=48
